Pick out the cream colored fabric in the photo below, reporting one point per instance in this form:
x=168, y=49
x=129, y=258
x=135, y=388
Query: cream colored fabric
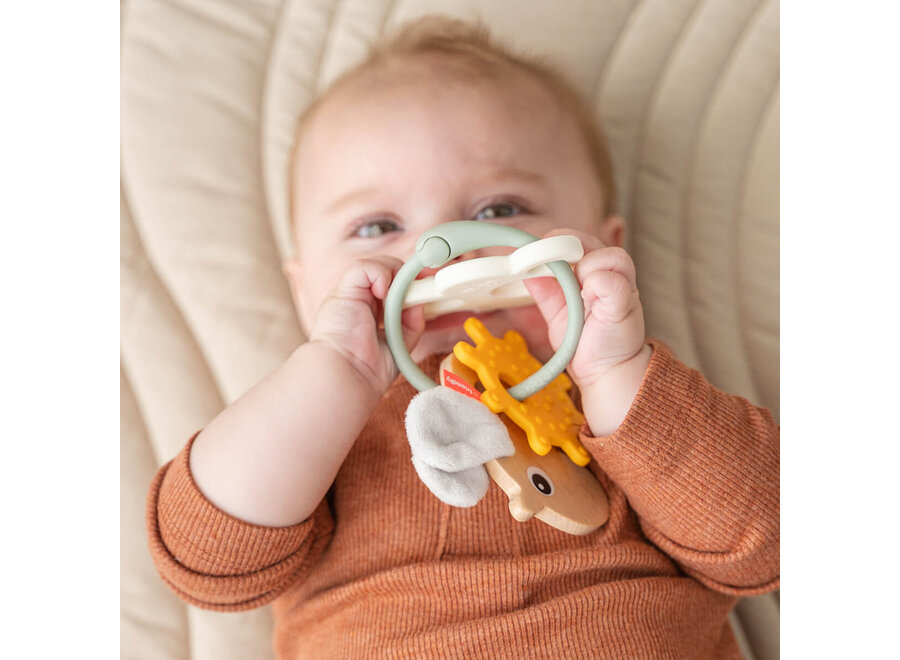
x=687, y=91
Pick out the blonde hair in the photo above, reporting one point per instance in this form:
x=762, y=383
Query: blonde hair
x=472, y=53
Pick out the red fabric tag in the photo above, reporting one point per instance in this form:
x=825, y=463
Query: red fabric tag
x=454, y=382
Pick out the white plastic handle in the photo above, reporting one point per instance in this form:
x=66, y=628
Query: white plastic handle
x=489, y=283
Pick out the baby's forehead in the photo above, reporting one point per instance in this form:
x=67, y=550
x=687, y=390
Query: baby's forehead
x=422, y=108
x=396, y=121
x=401, y=78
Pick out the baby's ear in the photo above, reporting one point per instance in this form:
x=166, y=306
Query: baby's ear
x=612, y=232
x=291, y=269
x=292, y=272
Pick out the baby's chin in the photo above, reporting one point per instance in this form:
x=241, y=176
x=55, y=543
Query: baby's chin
x=443, y=333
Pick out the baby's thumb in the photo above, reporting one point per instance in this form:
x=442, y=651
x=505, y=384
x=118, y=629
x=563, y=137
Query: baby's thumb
x=548, y=297
x=412, y=322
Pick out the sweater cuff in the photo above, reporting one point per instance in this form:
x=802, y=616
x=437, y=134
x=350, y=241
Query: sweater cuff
x=207, y=540
x=643, y=441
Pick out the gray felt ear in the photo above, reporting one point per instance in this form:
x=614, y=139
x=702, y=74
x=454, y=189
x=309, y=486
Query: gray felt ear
x=451, y=437
x=464, y=488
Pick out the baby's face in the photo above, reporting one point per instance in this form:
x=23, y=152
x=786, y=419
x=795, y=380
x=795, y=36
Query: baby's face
x=381, y=164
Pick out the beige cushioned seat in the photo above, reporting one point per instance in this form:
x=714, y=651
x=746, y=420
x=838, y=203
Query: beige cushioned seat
x=688, y=91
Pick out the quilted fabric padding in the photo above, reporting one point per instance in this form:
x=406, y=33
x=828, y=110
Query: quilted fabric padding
x=687, y=91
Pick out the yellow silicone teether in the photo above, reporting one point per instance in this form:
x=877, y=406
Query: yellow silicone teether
x=548, y=417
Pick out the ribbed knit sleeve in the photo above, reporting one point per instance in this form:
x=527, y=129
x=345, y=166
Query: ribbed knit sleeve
x=216, y=561
x=701, y=469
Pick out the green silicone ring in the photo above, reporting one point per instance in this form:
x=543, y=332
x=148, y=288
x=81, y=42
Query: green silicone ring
x=447, y=241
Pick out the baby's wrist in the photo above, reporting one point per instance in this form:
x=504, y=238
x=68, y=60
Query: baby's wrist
x=347, y=368
x=608, y=397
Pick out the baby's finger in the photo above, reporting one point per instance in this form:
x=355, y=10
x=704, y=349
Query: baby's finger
x=412, y=321
x=394, y=265
x=608, y=296
x=613, y=259
x=548, y=297
x=366, y=279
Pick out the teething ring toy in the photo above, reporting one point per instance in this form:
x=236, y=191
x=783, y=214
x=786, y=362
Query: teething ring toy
x=438, y=246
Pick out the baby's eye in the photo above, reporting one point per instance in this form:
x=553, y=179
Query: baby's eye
x=498, y=210
x=375, y=228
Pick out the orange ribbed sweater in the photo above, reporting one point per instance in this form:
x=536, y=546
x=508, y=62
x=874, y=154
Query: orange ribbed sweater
x=384, y=569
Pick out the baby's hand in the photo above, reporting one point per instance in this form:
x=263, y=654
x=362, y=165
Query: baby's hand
x=614, y=321
x=611, y=354
x=348, y=320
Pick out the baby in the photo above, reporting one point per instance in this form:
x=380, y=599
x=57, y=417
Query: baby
x=302, y=493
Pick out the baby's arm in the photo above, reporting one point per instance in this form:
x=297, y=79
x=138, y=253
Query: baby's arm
x=270, y=457
x=699, y=466
x=221, y=516
x=239, y=514
x=701, y=469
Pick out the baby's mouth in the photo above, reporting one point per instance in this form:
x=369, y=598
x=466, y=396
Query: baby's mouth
x=456, y=319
